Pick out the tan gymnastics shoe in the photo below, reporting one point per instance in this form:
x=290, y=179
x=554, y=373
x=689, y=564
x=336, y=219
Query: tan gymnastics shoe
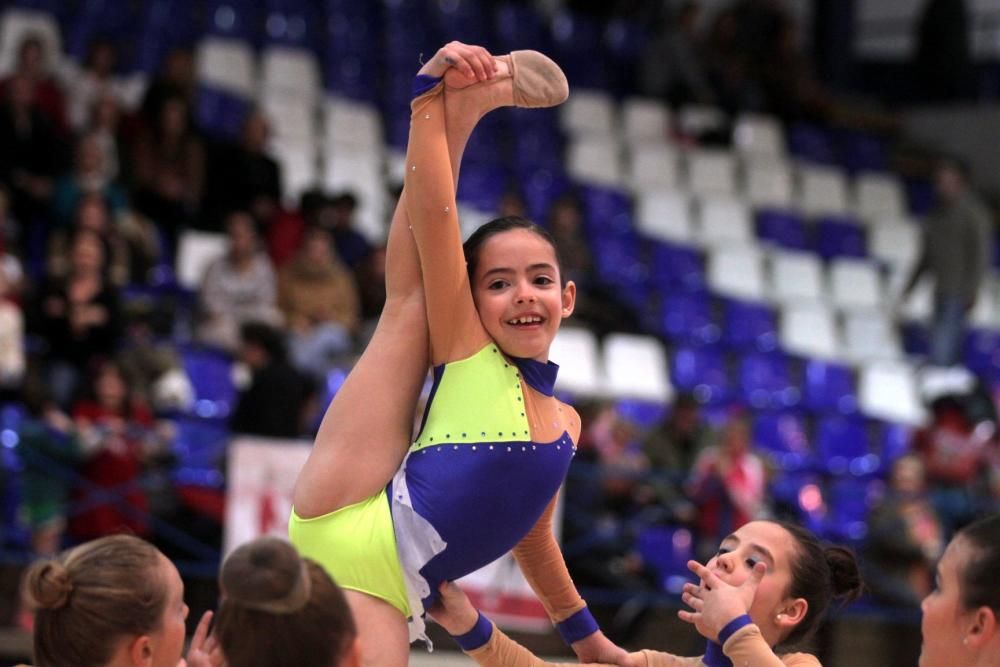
x=524, y=79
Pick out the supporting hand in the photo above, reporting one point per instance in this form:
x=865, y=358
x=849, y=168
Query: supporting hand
x=472, y=61
x=716, y=603
x=598, y=648
x=453, y=610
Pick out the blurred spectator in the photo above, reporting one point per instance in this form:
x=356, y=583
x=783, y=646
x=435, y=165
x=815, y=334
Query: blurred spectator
x=79, y=317
x=905, y=539
x=91, y=175
x=727, y=484
x=238, y=287
x=50, y=448
x=276, y=402
x=511, y=203
x=10, y=263
x=91, y=213
x=169, y=166
x=152, y=364
x=104, y=125
x=87, y=86
x=319, y=299
x=673, y=66
x=119, y=437
x=671, y=447
x=176, y=78
x=32, y=67
x=337, y=215
x=957, y=241
x=620, y=458
x=595, y=305
x=371, y=283
x=12, y=361
x=30, y=153
x=955, y=452
x=247, y=178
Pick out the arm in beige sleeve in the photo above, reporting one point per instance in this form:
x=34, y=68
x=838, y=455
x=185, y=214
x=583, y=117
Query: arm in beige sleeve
x=502, y=651
x=542, y=563
x=747, y=647
x=455, y=329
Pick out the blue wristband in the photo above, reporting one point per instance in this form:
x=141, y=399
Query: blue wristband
x=732, y=626
x=477, y=636
x=576, y=627
x=424, y=82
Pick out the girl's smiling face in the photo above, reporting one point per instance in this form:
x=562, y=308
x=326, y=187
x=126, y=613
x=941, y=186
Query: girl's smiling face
x=518, y=294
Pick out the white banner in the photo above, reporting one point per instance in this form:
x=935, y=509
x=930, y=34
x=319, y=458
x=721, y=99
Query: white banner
x=261, y=476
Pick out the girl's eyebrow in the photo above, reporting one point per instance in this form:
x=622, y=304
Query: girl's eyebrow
x=541, y=266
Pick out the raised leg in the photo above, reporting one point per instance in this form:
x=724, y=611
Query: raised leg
x=382, y=631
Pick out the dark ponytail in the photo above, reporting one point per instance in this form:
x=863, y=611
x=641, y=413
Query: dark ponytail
x=978, y=579
x=820, y=574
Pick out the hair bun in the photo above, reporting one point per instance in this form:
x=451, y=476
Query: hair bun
x=48, y=585
x=845, y=576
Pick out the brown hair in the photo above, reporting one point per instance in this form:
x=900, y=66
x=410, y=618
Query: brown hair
x=478, y=238
x=280, y=609
x=978, y=577
x=820, y=574
x=91, y=596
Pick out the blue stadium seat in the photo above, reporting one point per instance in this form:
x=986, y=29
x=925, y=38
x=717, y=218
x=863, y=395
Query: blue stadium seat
x=915, y=338
x=574, y=37
x=104, y=19
x=686, y=317
x=210, y=372
x=165, y=25
x=200, y=446
x=850, y=501
x=606, y=211
x=801, y=494
x=643, y=414
x=702, y=372
x=812, y=143
x=233, y=19
x=783, y=228
x=293, y=23
x=860, y=151
x=666, y=550
x=520, y=26
x=540, y=187
x=765, y=382
x=843, y=446
x=676, y=266
x=483, y=185
x=982, y=351
x=920, y=196
x=894, y=442
x=783, y=437
x=840, y=237
x=220, y=113
x=747, y=325
x=829, y=388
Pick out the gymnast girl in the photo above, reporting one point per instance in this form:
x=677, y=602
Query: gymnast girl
x=388, y=516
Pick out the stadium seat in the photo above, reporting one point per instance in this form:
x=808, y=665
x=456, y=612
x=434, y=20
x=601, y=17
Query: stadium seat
x=767, y=182
x=782, y=228
x=210, y=372
x=855, y=284
x=589, y=112
x=16, y=23
x=843, y=446
x=290, y=73
x=724, y=221
x=595, y=159
x=195, y=251
x=576, y=350
x=812, y=144
x=748, y=325
x=227, y=65
x=765, y=382
x=299, y=167
x=796, y=277
x=665, y=551
x=701, y=371
x=711, y=172
x=850, y=500
x=870, y=336
x=839, y=237
x=809, y=329
x=829, y=387
x=783, y=437
x=695, y=120
x=888, y=390
x=651, y=167
x=877, y=196
x=737, y=271
x=291, y=118
x=664, y=216
x=636, y=367
x=687, y=318
x=821, y=191
x=645, y=121
x=897, y=243
x=674, y=265
x=361, y=171
x=352, y=123
x=758, y=135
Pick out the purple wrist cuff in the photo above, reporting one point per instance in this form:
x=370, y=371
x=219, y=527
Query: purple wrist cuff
x=732, y=626
x=477, y=636
x=424, y=82
x=578, y=626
